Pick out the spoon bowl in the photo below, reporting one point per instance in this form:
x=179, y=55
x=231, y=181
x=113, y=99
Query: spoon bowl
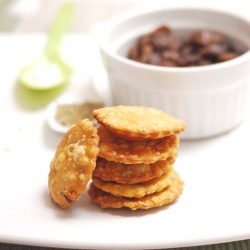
x=49, y=70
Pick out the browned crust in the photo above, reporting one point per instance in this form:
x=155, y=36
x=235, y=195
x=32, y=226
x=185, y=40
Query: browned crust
x=138, y=122
x=137, y=190
x=130, y=173
x=166, y=196
x=113, y=148
x=73, y=163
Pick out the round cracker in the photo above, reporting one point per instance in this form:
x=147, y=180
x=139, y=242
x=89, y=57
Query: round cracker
x=114, y=148
x=130, y=173
x=73, y=164
x=138, y=122
x=136, y=190
x=166, y=196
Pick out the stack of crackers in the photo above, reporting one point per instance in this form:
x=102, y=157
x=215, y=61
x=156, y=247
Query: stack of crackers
x=138, y=146
x=129, y=155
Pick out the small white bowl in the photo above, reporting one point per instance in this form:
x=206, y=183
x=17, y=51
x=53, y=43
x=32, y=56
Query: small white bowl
x=68, y=99
x=210, y=99
x=52, y=109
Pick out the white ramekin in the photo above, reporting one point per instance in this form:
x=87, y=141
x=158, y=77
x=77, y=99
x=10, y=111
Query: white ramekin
x=210, y=99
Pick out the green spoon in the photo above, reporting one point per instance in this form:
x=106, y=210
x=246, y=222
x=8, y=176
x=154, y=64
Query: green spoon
x=49, y=70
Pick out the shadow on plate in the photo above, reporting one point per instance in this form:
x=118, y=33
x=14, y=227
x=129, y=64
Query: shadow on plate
x=50, y=137
x=36, y=99
x=126, y=212
x=67, y=213
x=85, y=206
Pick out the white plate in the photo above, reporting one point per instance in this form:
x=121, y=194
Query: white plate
x=213, y=208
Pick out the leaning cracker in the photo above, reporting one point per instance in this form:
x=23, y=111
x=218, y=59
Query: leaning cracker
x=138, y=122
x=73, y=164
x=136, y=190
x=107, y=200
x=113, y=148
x=130, y=173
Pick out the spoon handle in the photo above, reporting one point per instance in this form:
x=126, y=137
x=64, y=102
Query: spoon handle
x=59, y=28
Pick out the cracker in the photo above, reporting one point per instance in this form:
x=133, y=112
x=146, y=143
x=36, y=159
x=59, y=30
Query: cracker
x=138, y=122
x=130, y=173
x=166, y=196
x=73, y=163
x=136, y=190
x=116, y=149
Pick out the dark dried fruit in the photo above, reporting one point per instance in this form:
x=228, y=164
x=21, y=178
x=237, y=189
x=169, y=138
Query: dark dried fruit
x=203, y=47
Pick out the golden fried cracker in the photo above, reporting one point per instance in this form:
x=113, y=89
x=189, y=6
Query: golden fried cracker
x=73, y=164
x=136, y=190
x=130, y=173
x=113, y=148
x=107, y=200
x=138, y=122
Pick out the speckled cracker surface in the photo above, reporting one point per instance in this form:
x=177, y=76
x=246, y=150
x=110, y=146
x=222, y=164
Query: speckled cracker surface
x=113, y=148
x=73, y=163
x=167, y=195
x=130, y=173
x=137, y=190
x=138, y=122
